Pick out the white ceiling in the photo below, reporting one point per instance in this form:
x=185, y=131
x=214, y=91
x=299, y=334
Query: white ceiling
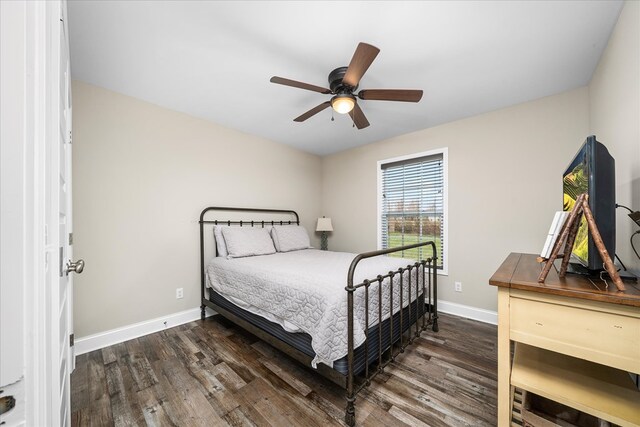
x=214, y=59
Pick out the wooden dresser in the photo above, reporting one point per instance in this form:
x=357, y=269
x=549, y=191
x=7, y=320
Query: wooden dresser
x=575, y=341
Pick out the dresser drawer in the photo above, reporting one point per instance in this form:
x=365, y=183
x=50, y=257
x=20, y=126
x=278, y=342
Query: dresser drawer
x=608, y=338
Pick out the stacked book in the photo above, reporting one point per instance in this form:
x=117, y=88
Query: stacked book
x=556, y=225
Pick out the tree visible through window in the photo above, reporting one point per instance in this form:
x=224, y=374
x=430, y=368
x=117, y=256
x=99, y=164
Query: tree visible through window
x=413, y=205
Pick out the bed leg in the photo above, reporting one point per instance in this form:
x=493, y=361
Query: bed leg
x=202, y=314
x=350, y=413
x=435, y=324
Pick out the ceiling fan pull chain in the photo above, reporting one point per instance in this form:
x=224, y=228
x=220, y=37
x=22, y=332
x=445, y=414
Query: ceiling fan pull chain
x=332, y=119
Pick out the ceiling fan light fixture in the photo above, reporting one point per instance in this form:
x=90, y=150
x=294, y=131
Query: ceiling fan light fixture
x=344, y=103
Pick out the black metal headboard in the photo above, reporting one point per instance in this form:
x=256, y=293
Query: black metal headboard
x=241, y=223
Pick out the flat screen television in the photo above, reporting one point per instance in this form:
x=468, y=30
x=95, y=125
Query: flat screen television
x=592, y=171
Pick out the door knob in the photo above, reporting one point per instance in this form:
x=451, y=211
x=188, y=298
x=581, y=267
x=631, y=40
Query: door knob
x=75, y=267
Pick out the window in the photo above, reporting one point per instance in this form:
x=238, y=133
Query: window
x=412, y=194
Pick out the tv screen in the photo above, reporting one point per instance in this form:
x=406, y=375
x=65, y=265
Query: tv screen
x=592, y=171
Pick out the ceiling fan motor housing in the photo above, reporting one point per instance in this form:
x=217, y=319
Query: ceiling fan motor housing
x=335, y=81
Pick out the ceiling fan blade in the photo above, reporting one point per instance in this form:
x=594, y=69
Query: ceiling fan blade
x=315, y=110
x=362, y=59
x=358, y=117
x=300, y=85
x=405, y=95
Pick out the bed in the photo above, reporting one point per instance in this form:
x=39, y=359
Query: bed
x=321, y=308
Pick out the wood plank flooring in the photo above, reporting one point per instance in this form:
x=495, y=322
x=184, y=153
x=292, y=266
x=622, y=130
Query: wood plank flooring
x=213, y=373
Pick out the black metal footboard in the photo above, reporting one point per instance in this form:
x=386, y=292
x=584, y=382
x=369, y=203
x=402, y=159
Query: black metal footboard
x=425, y=283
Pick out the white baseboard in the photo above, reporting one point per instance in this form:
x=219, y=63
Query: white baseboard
x=479, y=314
x=125, y=333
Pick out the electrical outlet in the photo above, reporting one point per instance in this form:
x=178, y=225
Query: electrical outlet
x=458, y=286
x=179, y=293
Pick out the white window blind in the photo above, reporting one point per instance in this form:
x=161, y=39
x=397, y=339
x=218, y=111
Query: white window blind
x=413, y=205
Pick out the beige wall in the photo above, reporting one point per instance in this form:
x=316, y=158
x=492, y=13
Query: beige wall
x=614, y=94
x=142, y=174
x=505, y=170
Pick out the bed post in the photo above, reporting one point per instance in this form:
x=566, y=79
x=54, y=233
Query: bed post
x=202, y=312
x=350, y=414
x=435, y=291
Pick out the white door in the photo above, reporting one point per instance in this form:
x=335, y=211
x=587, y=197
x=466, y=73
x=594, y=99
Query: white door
x=60, y=186
x=36, y=212
x=58, y=222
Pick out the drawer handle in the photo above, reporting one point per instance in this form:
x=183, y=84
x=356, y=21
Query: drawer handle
x=539, y=324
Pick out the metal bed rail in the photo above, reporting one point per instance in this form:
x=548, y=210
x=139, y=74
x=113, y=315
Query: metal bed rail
x=427, y=282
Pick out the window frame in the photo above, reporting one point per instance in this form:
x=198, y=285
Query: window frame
x=445, y=172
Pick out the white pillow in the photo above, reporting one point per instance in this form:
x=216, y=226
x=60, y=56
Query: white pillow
x=247, y=241
x=220, y=244
x=290, y=238
x=219, y=238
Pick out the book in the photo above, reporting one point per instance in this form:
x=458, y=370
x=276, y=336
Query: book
x=554, y=231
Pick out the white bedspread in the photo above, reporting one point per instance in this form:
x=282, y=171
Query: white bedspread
x=306, y=289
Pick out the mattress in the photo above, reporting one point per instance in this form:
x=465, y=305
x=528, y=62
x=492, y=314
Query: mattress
x=302, y=341
x=305, y=291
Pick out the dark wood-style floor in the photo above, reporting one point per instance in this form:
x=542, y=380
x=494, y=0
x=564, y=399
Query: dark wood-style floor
x=213, y=373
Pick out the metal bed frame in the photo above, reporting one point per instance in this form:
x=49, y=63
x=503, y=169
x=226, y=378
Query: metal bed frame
x=353, y=383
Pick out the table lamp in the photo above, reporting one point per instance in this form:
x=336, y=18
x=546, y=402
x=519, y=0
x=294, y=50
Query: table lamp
x=324, y=226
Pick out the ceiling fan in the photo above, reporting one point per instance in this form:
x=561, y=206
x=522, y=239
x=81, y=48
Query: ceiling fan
x=343, y=83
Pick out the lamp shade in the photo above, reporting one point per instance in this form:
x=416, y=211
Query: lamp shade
x=324, y=224
x=342, y=104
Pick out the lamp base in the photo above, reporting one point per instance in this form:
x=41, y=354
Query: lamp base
x=323, y=241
